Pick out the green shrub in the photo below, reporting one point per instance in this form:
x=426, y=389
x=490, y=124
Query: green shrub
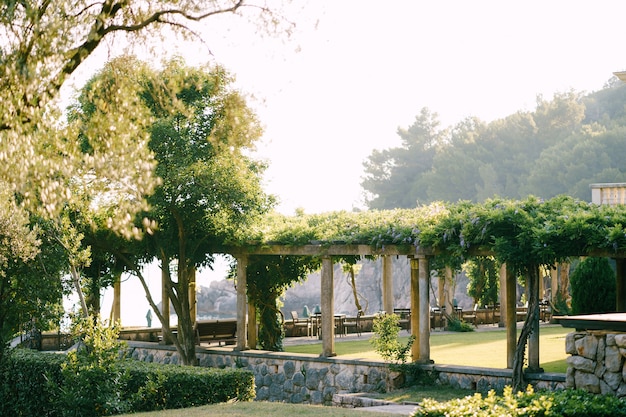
x=93, y=382
x=32, y=380
x=566, y=403
x=26, y=379
x=155, y=386
x=458, y=325
x=385, y=340
x=593, y=287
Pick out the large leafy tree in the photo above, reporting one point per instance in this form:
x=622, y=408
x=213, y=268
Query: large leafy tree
x=31, y=265
x=210, y=189
x=43, y=161
x=44, y=43
x=394, y=177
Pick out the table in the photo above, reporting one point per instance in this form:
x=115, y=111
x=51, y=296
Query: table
x=317, y=324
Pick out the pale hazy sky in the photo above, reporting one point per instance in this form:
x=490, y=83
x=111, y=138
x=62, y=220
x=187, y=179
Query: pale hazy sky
x=356, y=70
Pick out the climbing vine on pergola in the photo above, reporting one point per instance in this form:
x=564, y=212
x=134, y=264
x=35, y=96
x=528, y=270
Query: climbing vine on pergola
x=523, y=234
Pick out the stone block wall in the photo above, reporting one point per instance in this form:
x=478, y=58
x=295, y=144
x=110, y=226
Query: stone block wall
x=279, y=376
x=310, y=379
x=597, y=363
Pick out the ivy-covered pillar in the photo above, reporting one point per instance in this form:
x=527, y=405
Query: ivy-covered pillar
x=387, y=284
x=415, y=312
x=242, y=303
x=511, y=315
x=328, y=308
x=620, y=285
x=424, y=310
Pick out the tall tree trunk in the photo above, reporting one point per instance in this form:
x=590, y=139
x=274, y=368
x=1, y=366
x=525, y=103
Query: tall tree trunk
x=532, y=278
x=81, y=296
x=354, y=291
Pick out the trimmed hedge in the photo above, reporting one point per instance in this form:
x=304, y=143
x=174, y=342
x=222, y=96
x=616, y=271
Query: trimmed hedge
x=32, y=381
x=565, y=403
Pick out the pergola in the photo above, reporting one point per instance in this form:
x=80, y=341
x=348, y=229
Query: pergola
x=420, y=290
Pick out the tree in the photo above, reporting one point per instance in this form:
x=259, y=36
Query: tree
x=268, y=277
x=44, y=43
x=31, y=263
x=210, y=190
x=593, y=287
x=393, y=177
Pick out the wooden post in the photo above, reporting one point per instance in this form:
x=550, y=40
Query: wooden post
x=554, y=283
x=242, y=303
x=387, y=284
x=328, y=308
x=415, y=315
x=449, y=299
x=424, y=310
x=503, y=315
x=117, y=299
x=165, y=303
x=252, y=326
x=511, y=317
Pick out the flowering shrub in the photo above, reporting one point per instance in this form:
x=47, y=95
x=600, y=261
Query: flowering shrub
x=566, y=403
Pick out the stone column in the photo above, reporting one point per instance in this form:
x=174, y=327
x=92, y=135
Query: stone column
x=387, y=284
x=242, y=303
x=424, y=310
x=328, y=308
x=415, y=312
x=511, y=317
x=620, y=285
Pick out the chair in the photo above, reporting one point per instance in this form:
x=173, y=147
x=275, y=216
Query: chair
x=356, y=324
x=300, y=324
x=471, y=316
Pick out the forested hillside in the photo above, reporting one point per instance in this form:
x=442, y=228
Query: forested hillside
x=560, y=147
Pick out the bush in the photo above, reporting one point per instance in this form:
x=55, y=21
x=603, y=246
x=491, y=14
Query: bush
x=566, y=403
x=593, y=287
x=31, y=383
x=154, y=386
x=386, y=328
x=26, y=377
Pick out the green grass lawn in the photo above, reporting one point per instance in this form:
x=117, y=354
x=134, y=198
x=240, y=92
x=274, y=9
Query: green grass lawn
x=483, y=349
x=259, y=408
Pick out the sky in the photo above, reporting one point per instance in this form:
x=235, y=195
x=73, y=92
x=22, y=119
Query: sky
x=354, y=71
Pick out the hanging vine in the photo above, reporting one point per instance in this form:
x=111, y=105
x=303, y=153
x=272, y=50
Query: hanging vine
x=268, y=277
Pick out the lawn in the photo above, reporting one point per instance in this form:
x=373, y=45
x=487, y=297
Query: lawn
x=259, y=408
x=479, y=348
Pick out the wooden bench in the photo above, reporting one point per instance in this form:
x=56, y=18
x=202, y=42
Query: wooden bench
x=216, y=331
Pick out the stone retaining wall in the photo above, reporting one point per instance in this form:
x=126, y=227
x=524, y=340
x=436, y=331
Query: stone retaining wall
x=597, y=363
x=310, y=379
